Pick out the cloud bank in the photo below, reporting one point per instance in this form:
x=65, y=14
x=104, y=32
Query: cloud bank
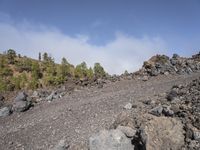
x=124, y=52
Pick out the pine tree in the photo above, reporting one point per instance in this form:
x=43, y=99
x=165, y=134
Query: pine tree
x=2, y=61
x=39, y=57
x=64, y=68
x=45, y=57
x=99, y=70
x=126, y=72
x=11, y=54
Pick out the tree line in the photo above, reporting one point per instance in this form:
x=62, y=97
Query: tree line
x=17, y=72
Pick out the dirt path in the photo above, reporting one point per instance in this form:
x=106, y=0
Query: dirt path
x=75, y=117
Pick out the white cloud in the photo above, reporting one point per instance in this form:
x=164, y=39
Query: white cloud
x=125, y=52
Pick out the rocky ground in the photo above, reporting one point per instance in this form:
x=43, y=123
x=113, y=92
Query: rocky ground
x=73, y=118
x=156, y=108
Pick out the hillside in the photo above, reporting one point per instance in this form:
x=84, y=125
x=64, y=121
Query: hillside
x=154, y=108
x=17, y=72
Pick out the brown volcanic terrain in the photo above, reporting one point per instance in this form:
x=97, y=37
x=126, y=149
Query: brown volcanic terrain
x=76, y=116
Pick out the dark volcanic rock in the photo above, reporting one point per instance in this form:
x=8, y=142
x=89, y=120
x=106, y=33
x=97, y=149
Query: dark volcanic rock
x=172, y=95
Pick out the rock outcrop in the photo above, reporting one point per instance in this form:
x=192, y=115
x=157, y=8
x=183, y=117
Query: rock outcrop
x=161, y=64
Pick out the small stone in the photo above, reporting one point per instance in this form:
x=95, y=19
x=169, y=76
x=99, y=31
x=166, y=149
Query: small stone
x=52, y=96
x=149, y=102
x=100, y=86
x=61, y=145
x=167, y=111
x=196, y=135
x=145, y=78
x=172, y=95
x=166, y=73
x=194, y=145
x=35, y=94
x=11, y=143
x=154, y=72
x=128, y=106
x=157, y=111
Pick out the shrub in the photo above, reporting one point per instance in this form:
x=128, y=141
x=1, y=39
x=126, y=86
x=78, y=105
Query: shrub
x=3, y=86
x=5, y=72
x=24, y=65
x=6, y=85
x=162, y=59
x=19, y=81
x=81, y=70
x=33, y=84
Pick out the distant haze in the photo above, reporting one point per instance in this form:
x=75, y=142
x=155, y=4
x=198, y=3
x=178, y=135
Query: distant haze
x=120, y=35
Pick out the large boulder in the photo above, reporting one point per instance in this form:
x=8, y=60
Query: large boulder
x=21, y=102
x=163, y=133
x=5, y=111
x=110, y=140
x=21, y=106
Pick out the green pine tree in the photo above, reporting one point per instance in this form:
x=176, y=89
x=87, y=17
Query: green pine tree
x=99, y=70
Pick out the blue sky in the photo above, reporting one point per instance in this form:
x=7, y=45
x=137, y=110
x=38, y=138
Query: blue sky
x=120, y=34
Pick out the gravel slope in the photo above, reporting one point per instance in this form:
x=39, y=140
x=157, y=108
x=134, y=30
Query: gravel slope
x=76, y=116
